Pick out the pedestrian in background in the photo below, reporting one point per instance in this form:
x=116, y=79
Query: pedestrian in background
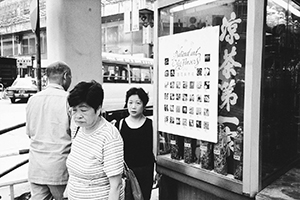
x=48, y=127
x=95, y=163
x=137, y=133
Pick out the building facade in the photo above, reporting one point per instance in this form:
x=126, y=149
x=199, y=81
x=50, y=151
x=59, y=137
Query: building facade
x=18, y=41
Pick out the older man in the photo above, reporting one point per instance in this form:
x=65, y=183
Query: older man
x=48, y=127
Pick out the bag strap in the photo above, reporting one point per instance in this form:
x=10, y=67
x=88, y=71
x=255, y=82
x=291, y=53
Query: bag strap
x=120, y=124
x=125, y=166
x=77, y=129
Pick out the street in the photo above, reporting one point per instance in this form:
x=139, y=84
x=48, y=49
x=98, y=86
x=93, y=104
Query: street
x=10, y=115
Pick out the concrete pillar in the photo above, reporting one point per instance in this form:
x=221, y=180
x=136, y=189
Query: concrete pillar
x=74, y=36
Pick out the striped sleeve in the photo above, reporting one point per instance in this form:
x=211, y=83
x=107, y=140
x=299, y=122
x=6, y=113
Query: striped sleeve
x=113, y=156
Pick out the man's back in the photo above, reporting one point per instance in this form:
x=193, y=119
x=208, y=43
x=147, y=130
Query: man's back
x=48, y=128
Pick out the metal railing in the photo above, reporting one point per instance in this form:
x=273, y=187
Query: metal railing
x=6, y=130
x=109, y=115
x=11, y=184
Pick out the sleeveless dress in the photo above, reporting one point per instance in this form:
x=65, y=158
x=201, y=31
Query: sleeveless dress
x=138, y=153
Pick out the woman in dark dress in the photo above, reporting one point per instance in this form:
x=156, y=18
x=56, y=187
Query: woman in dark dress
x=137, y=133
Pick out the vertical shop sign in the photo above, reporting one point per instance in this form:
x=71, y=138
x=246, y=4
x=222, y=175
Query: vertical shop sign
x=188, y=84
x=230, y=111
x=135, y=16
x=33, y=14
x=127, y=21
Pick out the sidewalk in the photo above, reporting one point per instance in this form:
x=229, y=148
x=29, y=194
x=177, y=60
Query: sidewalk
x=21, y=173
x=20, y=189
x=286, y=187
x=23, y=188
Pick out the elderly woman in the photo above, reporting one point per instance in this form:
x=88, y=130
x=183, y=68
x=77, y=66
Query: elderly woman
x=95, y=163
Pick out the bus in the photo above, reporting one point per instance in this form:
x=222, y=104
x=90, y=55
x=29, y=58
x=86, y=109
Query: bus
x=121, y=72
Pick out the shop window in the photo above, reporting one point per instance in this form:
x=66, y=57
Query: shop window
x=28, y=44
x=25, y=46
x=183, y=107
x=16, y=44
x=126, y=40
x=7, y=42
x=280, y=87
x=112, y=35
x=31, y=47
x=115, y=40
x=43, y=44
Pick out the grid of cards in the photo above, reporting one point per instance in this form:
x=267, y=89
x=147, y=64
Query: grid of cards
x=187, y=95
x=188, y=75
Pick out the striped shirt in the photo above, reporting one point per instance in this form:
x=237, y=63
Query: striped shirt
x=95, y=157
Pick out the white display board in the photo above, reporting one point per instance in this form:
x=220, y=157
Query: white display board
x=188, y=84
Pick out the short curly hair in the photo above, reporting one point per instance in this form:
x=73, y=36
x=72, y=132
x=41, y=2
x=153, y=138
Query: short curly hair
x=141, y=94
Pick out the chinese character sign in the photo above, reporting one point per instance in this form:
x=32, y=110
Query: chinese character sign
x=188, y=84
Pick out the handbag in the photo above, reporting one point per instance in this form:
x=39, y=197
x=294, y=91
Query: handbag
x=132, y=188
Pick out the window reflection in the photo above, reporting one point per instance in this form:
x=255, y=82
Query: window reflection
x=25, y=45
x=15, y=45
x=280, y=86
x=230, y=16
x=7, y=45
x=115, y=40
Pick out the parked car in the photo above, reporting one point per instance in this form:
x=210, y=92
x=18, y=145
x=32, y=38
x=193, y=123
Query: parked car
x=22, y=88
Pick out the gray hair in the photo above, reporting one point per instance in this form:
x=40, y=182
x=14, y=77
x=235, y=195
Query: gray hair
x=57, y=68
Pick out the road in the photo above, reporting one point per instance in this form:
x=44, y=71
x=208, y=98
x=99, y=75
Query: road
x=10, y=115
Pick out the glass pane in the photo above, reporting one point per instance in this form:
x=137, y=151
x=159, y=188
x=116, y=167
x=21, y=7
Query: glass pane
x=115, y=40
x=103, y=39
x=42, y=39
x=280, y=86
x=112, y=35
x=136, y=75
x=116, y=73
x=7, y=46
x=112, y=39
x=16, y=43
x=25, y=45
x=32, y=45
x=43, y=45
x=224, y=157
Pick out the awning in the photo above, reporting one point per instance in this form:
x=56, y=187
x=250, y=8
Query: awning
x=107, y=2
